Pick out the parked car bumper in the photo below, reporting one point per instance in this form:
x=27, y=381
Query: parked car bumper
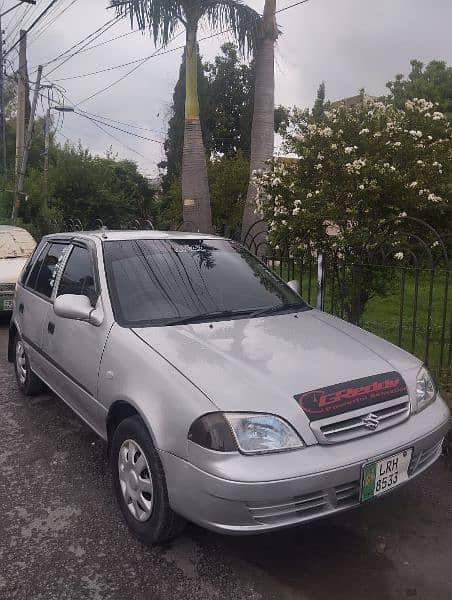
x=230, y=506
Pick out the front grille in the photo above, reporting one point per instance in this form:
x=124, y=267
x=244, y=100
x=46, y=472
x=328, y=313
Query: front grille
x=352, y=424
x=309, y=506
x=425, y=458
x=7, y=287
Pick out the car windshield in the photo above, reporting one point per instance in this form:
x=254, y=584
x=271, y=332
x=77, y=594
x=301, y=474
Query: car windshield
x=168, y=282
x=16, y=243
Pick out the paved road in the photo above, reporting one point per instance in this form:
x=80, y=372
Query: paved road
x=61, y=537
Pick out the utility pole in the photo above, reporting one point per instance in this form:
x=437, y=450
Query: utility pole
x=23, y=167
x=48, y=124
x=20, y=119
x=2, y=103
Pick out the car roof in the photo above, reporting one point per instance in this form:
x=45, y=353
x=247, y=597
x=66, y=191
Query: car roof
x=107, y=235
x=11, y=228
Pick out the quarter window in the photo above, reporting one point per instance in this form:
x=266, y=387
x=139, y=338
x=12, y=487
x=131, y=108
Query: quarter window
x=78, y=276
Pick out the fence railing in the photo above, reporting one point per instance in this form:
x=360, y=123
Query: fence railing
x=409, y=306
x=407, y=302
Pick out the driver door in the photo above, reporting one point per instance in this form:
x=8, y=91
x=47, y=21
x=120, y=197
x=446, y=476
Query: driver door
x=74, y=348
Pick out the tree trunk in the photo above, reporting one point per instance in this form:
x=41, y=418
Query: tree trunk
x=263, y=131
x=195, y=186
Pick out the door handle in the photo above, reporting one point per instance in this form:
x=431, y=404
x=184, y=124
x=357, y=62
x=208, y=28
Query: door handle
x=51, y=328
x=21, y=308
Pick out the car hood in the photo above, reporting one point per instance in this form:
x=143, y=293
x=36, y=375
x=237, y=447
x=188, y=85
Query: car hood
x=260, y=364
x=11, y=268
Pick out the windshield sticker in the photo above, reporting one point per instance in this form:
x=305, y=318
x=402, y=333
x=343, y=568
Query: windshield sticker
x=351, y=395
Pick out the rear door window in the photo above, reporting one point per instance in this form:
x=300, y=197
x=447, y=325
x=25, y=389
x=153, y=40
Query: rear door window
x=43, y=275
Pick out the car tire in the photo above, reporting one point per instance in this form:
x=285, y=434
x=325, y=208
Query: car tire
x=139, y=484
x=28, y=382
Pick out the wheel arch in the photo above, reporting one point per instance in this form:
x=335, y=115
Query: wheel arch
x=118, y=412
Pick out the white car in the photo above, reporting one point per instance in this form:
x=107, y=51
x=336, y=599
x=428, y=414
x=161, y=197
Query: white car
x=225, y=399
x=16, y=247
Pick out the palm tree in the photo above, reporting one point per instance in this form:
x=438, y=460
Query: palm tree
x=162, y=18
x=263, y=131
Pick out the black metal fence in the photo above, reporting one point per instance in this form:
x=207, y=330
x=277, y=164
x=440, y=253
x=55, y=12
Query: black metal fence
x=406, y=300
x=409, y=306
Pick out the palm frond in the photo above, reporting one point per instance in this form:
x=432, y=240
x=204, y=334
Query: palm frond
x=245, y=22
x=160, y=17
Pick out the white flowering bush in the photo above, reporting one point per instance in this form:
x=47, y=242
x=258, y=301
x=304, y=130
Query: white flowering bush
x=354, y=169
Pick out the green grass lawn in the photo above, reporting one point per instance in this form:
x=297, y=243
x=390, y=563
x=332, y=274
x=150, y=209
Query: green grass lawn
x=410, y=330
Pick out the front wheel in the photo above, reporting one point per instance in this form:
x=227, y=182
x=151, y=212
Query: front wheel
x=140, y=485
x=29, y=383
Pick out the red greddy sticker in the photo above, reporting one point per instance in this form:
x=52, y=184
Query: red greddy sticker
x=351, y=395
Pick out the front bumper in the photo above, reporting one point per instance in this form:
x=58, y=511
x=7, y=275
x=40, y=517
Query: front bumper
x=244, y=507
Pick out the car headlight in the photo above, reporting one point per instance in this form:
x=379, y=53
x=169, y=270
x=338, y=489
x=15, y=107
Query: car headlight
x=245, y=432
x=425, y=389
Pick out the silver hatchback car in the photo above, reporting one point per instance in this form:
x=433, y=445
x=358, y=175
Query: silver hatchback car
x=225, y=399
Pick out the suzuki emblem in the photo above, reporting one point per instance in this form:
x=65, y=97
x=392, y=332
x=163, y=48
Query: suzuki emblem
x=371, y=421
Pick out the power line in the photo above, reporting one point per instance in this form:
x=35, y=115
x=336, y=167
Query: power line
x=137, y=62
x=133, y=126
x=137, y=135
x=291, y=6
x=126, y=74
x=117, y=37
x=127, y=64
x=49, y=24
x=35, y=22
x=108, y=133
x=115, y=138
x=95, y=35
x=158, y=52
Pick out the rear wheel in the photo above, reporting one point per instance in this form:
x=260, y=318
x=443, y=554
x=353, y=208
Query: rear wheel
x=29, y=383
x=140, y=485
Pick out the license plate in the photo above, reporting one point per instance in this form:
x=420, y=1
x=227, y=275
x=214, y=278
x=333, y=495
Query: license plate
x=7, y=304
x=383, y=475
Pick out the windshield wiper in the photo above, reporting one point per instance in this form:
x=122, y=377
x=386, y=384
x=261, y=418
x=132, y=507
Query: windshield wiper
x=222, y=314
x=270, y=310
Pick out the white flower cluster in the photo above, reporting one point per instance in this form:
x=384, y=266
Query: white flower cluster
x=322, y=131
x=419, y=104
x=439, y=165
x=363, y=131
x=415, y=133
x=355, y=167
x=434, y=198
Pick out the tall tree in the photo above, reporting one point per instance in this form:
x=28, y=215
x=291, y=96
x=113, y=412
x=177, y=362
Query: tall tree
x=262, y=135
x=319, y=104
x=162, y=18
x=226, y=89
x=432, y=82
x=174, y=142
x=230, y=103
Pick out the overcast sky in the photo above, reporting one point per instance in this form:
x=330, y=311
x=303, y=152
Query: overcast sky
x=347, y=43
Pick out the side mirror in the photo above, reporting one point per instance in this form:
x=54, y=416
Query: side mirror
x=71, y=306
x=295, y=286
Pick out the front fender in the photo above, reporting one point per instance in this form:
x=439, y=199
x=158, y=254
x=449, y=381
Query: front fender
x=132, y=372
